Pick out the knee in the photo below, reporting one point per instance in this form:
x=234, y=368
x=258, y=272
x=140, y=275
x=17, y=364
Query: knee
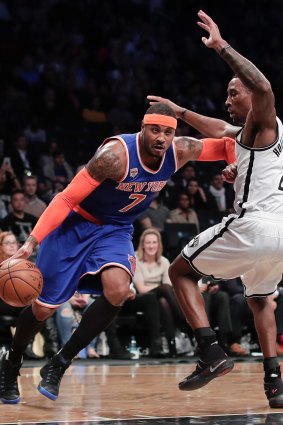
x=42, y=313
x=117, y=292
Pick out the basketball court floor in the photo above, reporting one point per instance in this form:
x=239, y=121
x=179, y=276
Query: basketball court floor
x=143, y=393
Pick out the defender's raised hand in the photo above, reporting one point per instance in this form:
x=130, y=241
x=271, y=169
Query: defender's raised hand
x=214, y=41
x=158, y=99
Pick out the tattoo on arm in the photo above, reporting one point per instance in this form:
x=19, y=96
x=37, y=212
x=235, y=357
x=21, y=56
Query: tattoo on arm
x=105, y=164
x=188, y=148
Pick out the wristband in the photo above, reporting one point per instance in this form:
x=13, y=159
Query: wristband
x=224, y=48
x=182, y=114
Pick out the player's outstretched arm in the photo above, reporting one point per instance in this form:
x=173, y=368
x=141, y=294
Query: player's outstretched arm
x=108, y=162
x=263, y=109
x=207, y=126
x=191, y=149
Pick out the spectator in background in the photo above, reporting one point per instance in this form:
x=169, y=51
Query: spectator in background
x=8, y=182
x=21, y=157
x=46, y=158
x=152, y=276
x=199, y=200
x=8, y=245
x=217, y=305
x=183, y=177
x=147, y=303
x=156, y=215
x=68, y=317
x=184, y=213
x=59, y=173
x=224, y=197
x=17, y=221
x=241, y=314
x=33, y=205
x=35, y=134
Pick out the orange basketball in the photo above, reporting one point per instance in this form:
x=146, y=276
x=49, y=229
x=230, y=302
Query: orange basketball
x=20, y=282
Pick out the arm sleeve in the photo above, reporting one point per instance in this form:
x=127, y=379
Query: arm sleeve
x=218, y=149
x=56, y=212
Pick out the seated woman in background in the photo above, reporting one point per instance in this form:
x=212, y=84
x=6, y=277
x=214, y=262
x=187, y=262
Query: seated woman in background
x=8, y=245
x=152, y=275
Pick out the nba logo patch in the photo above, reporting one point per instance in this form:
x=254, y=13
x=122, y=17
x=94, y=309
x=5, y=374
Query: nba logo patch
x=132, y=261
x=194, y=242
x=133, y=172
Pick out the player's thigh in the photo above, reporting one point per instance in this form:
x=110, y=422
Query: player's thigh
x=180, y=267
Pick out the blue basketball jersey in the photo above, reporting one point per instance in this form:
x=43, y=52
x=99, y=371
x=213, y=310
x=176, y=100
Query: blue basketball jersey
x=121, y=202
x=74, y=255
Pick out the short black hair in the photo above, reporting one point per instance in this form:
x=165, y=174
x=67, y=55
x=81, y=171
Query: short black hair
x=16, y=192
x=162, y=109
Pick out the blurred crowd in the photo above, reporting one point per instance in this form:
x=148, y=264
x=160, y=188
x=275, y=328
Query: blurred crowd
x=75, y=72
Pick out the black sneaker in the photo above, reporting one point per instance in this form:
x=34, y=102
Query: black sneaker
x=274, y=392
x=9, y=390
x=205, y=372
x=52, y=374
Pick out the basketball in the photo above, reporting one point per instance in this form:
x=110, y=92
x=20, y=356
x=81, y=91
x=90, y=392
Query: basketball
x=20, y=282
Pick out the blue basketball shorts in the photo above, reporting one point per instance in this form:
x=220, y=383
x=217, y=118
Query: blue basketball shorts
x=72, y=257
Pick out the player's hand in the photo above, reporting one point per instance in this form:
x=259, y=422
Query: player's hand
x=230, y=173
x=157, y=99
x=214, y=41
x=24, y=251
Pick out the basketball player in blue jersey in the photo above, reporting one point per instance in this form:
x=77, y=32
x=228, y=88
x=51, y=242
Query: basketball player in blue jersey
x=249, y=243
x=86, y=236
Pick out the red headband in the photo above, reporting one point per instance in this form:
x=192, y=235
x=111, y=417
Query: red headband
x=161, y=120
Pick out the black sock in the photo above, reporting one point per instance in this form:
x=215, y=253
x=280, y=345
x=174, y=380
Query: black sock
x=27, y=327
x=271, y=369
x=209, y=348
x=96, y=318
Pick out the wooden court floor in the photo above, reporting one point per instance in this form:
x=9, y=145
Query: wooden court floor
x=95, y=392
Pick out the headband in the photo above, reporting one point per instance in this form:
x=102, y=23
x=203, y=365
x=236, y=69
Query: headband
x=161, y=120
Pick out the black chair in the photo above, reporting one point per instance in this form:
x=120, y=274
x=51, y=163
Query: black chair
x=208, y=218
x=176, y=236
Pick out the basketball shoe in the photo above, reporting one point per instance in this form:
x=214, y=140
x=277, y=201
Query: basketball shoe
x=274, y=390
x=205, y=372
x=9, y=372
x=51, y=374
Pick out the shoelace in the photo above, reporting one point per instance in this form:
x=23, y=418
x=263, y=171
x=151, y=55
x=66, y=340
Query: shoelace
x=8, y=377
x=55, y=373
x=54, y=378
